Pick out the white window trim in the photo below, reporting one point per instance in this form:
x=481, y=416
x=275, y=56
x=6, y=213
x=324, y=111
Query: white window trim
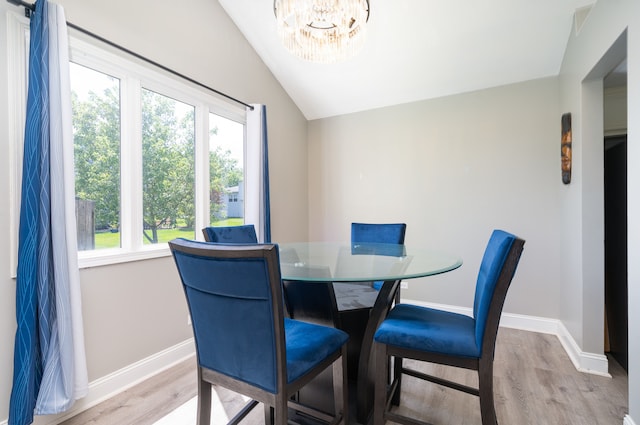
x=133, y=76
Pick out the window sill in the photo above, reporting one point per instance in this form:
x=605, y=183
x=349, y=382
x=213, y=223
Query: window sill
x=88, y=259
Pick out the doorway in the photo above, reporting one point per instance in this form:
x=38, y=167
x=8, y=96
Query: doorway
x=615, y=216
x=615, y=237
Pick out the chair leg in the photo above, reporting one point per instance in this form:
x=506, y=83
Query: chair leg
x=268, y=415
x=485, y=386
x=281, y=411
x=341, y=386
x=204, y=401
x=381, y=382
x=397, y=375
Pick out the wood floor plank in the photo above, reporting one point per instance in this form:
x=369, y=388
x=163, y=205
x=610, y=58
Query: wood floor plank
x=145, y=403
x=534, y=383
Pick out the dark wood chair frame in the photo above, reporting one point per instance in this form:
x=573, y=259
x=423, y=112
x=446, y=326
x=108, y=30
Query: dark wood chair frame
x=276, y=405
x=386, y=395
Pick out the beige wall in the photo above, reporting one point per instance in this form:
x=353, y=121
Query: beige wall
x=453, y=169
x=591, y=53
x=135, y=310
x=615, y=111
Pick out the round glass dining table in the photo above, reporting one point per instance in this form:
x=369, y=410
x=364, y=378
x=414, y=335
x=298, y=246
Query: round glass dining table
x=360, y=262
x=328, y=262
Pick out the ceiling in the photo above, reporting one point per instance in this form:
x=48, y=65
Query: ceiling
x=419, y=49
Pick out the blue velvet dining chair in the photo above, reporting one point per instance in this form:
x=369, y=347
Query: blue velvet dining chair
x=392, y=233
x=387, y=233
x=245, y=233
x=243, y=341
x=447, y=338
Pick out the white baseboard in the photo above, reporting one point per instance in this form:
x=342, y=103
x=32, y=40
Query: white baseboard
x=121, y=380
x=593, y=363
x=628, y=420
x=596, y=364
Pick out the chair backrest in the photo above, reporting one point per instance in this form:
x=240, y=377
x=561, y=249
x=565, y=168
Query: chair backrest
x=234, y=296
x=498, y=266
x=378, y=233
x=245, y=233
x=391, y=233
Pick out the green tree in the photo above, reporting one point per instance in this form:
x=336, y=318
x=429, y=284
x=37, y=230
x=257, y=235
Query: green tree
x=168, y=161
x=96, y=126
x=168, y=164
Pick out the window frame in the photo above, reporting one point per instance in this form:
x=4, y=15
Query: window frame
x=134, y=75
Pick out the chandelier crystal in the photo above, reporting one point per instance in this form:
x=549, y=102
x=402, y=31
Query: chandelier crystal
x=324, y=31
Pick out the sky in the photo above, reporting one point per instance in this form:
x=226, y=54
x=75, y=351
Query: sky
x=230, y=136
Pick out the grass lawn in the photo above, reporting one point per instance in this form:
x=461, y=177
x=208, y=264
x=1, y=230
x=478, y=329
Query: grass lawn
x=112, y=240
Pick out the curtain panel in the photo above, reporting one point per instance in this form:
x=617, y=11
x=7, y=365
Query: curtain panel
x=258, y=209
x=49, y=357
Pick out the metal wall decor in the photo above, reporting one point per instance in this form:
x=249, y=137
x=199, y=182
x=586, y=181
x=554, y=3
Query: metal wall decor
x=565, y=148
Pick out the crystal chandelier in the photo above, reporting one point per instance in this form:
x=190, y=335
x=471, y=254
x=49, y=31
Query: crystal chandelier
x=324, y=31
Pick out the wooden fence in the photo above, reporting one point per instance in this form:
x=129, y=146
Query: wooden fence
x=85, y=224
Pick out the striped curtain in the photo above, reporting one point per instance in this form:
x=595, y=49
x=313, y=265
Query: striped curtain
x=49, y=360
x=258, y=209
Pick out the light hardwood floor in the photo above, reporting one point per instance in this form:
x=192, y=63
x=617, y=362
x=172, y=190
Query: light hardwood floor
x=535, y=383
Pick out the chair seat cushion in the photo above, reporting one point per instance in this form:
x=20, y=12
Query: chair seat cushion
x=308, y=345
x=429, y=330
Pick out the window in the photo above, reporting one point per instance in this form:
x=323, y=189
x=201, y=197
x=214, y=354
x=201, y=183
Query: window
x=168, y=168
x=226, y=158
x=155, y=158
x=95, y=100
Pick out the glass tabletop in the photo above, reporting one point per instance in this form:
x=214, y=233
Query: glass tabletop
x=360, y=262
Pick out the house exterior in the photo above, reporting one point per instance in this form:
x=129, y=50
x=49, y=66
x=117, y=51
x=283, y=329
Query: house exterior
x=233, y=201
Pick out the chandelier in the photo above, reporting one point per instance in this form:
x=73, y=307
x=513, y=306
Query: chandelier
x=324, y=31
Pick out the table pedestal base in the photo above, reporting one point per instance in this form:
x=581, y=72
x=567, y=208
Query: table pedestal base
x=361, y=325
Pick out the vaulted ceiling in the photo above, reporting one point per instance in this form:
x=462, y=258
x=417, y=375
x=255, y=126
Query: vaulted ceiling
x=419, y=49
